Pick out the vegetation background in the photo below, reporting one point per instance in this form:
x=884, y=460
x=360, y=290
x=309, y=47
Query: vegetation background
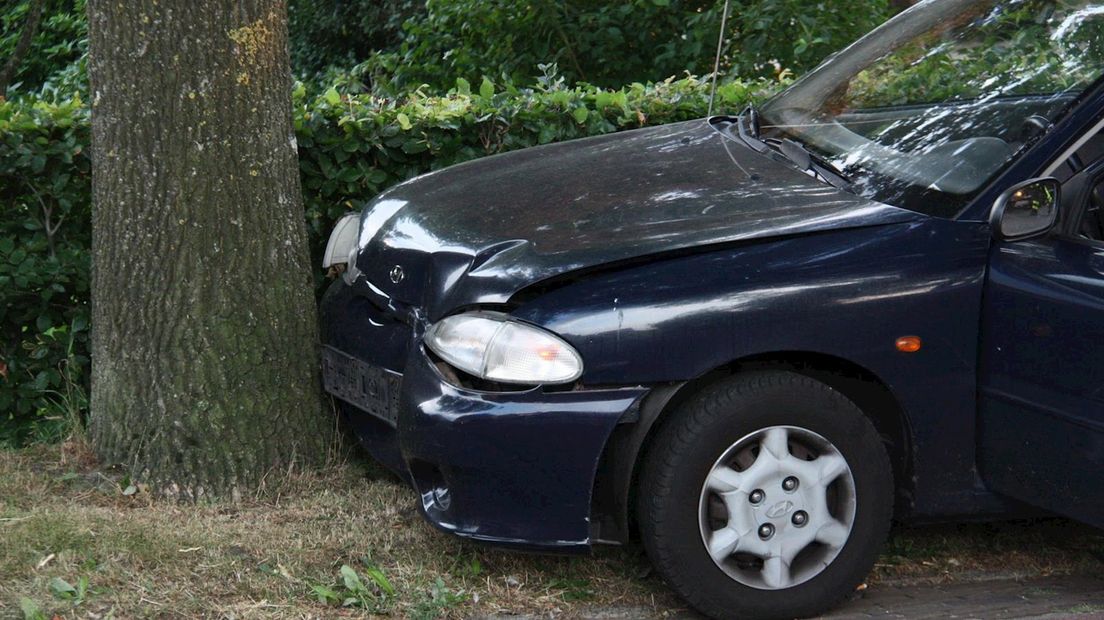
x=387, y=89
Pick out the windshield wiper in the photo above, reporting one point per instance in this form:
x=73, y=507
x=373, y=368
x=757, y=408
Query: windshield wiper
x=805, y=159
x=747, y=126
x=748, y=129
x=753, y=120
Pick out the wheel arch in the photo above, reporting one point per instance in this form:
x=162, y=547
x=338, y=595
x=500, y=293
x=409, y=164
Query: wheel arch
x=612, y=518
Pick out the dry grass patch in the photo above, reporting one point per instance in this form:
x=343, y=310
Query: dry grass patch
x=71, y=543
x=278, y=555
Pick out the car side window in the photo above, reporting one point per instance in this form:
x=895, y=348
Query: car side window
x=1082, y=178
x=1091, y=225
x=1091, y=152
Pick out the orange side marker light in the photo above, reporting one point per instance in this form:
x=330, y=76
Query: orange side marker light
x=909, y=344
x=548, y=354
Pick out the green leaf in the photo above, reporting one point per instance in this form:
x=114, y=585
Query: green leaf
x=62, y=588
x=351, y=579
x=332, y=96
x=380, y=579
x=413, y=147
x=325, y=595
x=463, y=86
x=580, y=115
x=404, y=121
x=30, y=609
x=486, y=89
x=43, y=322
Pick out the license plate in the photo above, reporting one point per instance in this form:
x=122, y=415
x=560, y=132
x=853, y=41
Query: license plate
x=371, y=388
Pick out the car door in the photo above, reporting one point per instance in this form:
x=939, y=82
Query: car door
x=1041, y=380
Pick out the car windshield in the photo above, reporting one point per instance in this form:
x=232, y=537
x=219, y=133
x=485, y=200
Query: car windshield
x=926, y=109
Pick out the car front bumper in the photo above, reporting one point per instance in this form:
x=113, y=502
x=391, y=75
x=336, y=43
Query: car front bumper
x=512, y=468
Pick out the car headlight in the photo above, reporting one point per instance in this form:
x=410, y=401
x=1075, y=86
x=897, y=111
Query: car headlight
x=491, y=346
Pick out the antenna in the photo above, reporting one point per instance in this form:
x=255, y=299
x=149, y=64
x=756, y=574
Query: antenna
x=717, y=60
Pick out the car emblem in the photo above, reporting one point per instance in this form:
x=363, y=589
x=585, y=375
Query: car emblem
x=397, y=274
x=779, y=509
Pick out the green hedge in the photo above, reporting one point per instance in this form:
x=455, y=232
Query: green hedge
x=350, y=148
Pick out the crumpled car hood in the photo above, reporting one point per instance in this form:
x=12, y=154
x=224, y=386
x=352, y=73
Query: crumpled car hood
x=478, y=232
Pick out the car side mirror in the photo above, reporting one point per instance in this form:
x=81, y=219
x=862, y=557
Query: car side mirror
x=1027, y=210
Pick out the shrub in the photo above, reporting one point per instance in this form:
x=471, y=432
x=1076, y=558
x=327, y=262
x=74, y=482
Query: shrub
x=326, y=33
x=61, y=39
x=795, y=35
x=602, y=43
x=44, y=265
x=613, y=43
x=350, y=148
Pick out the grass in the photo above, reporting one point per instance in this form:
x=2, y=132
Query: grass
x=348, y=542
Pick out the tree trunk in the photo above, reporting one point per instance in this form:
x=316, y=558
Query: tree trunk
x=7, y=72
x=204, y=343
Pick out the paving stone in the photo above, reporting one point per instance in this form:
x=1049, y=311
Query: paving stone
x=1048, y=598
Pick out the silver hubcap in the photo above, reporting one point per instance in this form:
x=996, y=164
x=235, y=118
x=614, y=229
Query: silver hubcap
x=777, y=507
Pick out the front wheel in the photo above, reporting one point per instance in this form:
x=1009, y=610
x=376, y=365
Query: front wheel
x=765, y=496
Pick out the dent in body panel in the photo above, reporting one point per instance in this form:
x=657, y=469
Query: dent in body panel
x=477, y=232
x=519, y=466
x=848, y=294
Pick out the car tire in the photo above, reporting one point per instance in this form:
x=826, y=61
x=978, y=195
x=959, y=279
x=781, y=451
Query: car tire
x=689, y=497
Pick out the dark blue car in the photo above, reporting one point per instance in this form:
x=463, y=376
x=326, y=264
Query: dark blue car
x=751, y=341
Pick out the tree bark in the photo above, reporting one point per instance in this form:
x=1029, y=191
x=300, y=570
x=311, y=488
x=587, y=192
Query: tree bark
x=7, y=72
x=204, y=342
